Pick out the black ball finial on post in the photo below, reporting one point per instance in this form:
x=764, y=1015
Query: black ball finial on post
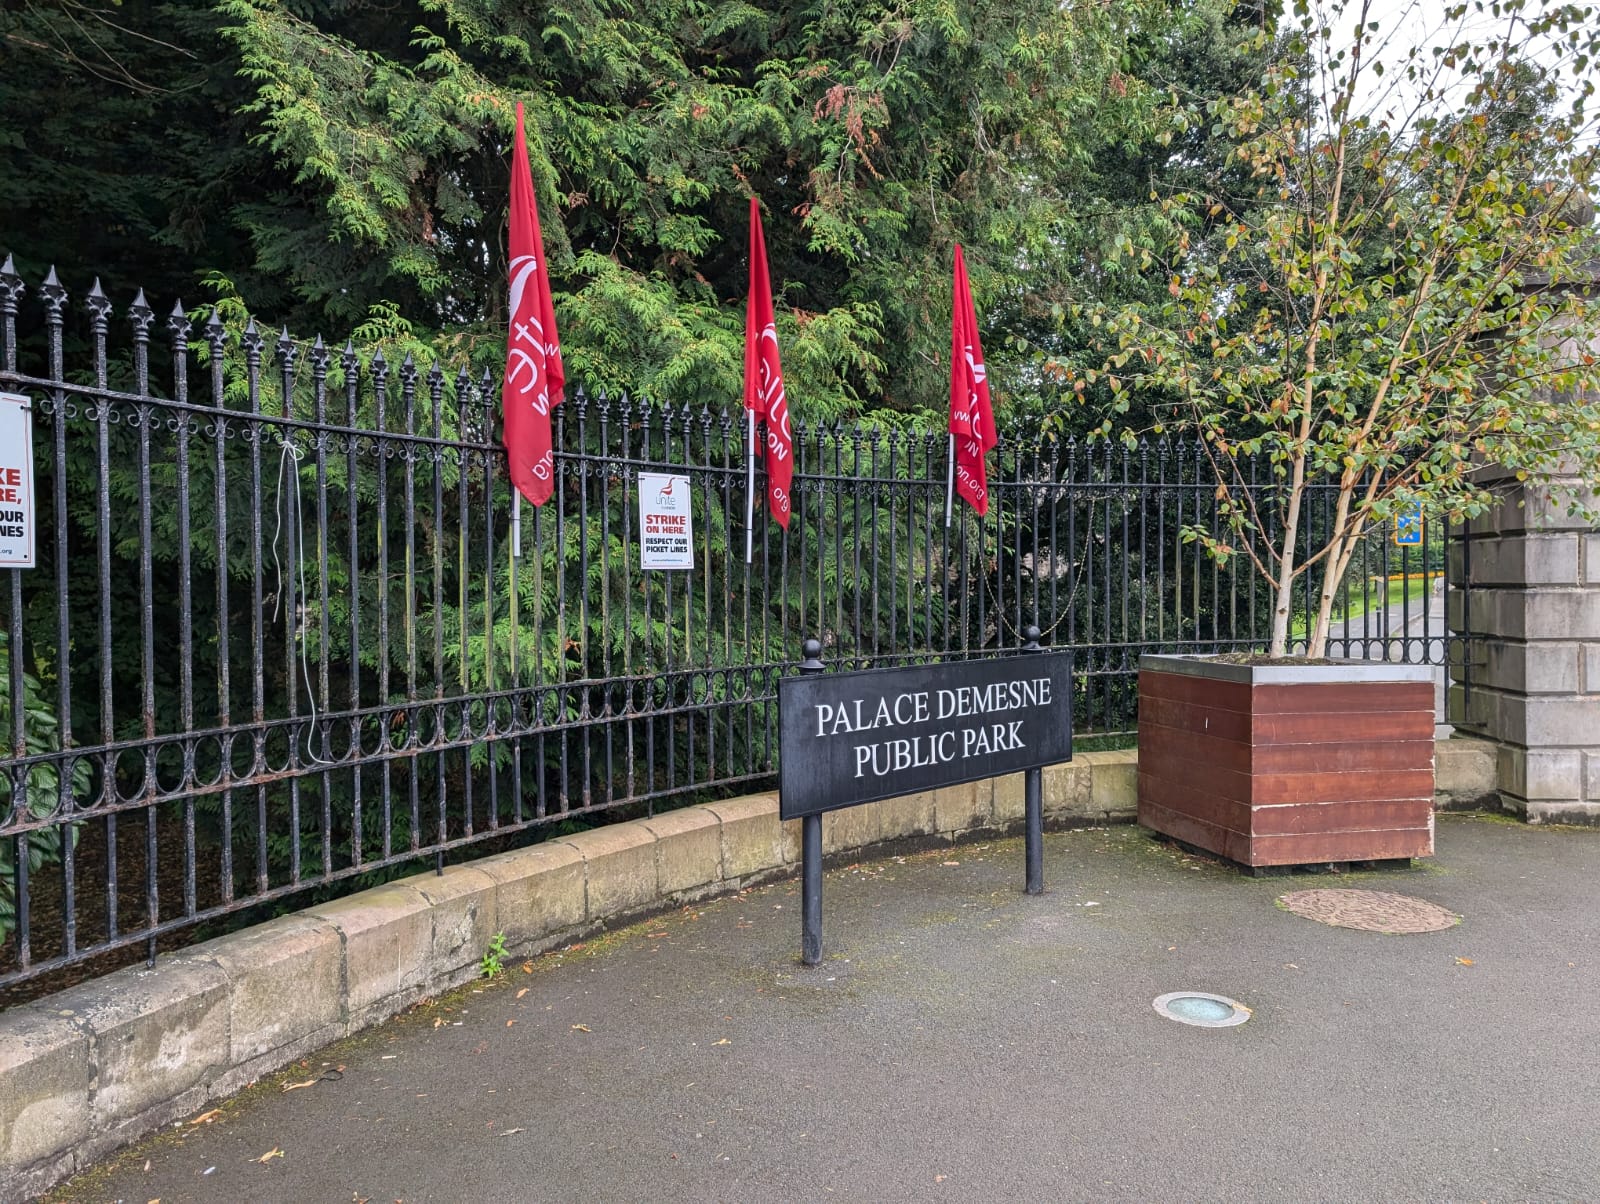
x=1030, y=638
x=811, y=651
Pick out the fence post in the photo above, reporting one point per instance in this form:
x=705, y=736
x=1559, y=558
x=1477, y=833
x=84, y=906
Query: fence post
x=1033, y=780
x=811, y=849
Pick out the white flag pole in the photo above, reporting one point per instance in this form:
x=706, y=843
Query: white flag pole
x=750, y=492
x=516, y=523
x=950, y=483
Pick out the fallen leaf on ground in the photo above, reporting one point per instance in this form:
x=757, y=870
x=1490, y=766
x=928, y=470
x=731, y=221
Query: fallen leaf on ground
x=509, y=1132
x=509, y=1023
x=527, y=967
x=724, y=1041
x=581, y=1028
x=206, y=1118
x=1465, y=961
x=522, y=992
x=654, y=935
x=274, y=1152
x=147, y=1164
x=950, y=863
x=438, y=1022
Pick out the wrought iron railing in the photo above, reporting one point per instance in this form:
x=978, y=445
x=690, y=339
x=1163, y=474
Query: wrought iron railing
x=277, y=639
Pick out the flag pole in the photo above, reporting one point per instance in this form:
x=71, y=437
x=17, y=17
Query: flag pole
x=516, y=523
x=750, y=491
x=950, y=482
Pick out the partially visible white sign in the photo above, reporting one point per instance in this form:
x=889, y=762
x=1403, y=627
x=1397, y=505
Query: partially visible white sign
x=666, y=525
x=17, y=512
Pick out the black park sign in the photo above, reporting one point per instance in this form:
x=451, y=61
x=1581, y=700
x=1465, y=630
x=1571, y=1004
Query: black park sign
x=849, y=738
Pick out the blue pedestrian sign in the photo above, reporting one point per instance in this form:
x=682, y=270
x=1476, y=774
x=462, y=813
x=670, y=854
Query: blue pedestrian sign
x=1408, y=527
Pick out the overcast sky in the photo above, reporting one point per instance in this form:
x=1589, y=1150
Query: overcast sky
x=1422, y=24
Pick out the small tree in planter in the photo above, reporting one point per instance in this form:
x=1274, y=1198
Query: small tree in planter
x=1406, y=295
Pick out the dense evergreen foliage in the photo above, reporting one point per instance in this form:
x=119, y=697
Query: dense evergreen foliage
x=319, y=158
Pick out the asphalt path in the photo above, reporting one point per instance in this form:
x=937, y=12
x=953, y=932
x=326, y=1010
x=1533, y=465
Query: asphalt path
x=963, y=1041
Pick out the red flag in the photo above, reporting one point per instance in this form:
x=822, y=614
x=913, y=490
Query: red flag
x=534, y=376
x=971, y=413
x=763, y=376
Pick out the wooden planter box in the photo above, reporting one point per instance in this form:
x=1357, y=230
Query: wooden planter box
x=1283, y=764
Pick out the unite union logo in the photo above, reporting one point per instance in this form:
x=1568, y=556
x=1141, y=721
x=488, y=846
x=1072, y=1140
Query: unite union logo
x=665, y=498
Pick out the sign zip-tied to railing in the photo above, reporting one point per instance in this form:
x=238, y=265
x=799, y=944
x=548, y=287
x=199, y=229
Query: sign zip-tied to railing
x=18, y=516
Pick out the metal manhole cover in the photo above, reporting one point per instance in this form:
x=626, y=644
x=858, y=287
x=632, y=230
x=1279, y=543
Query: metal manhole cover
x=1370, y=911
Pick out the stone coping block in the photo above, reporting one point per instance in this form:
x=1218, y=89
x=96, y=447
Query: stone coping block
x=541, y=893
x=263, y=1018
x=44, y=1085
x=688, y=846
x=620, y=868
x=386, y=933
x=754, y=840
x=105, y=1062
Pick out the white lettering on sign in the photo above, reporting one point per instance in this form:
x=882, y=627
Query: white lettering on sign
x=17, y=513
x=880, y=758
x=666, y=522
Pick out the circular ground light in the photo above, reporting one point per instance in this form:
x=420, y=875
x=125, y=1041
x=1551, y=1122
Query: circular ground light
x=1201, y=1009
x=1370, y=911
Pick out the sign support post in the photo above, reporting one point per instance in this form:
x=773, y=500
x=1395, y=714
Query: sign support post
x=811, y=850
x=857, y=737
x=1033, y=791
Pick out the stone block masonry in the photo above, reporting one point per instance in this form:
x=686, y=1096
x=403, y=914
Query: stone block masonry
x=99, y=1065
x=1525, y=671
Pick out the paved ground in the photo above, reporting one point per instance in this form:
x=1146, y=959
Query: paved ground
x=966, y=1042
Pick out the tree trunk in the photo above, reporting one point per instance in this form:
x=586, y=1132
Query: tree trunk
x=1284, y=590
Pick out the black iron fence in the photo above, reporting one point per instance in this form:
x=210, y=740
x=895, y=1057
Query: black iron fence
x=277, y=637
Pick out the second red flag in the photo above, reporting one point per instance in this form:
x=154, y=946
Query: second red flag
x=971, y=413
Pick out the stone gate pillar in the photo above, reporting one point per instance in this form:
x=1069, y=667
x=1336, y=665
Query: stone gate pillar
x=1525, y=672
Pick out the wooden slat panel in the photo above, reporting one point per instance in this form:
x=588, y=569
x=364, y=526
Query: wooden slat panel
x=1187, y=749
x=1208, y=806
x=1266, y=788
x=1181, y=687
x=1343, y=758
x=1232, y=845
x=1349, y=697
x=1304, y=818
x=1313, y=848
x=1344, y=727
x=1228, y=725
